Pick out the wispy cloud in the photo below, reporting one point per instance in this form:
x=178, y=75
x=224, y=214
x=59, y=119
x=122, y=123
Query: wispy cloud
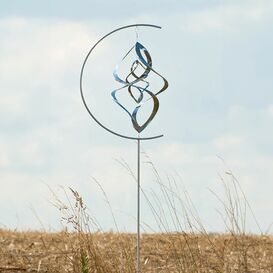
x=227, y=17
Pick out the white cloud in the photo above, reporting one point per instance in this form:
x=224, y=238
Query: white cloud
x=227, y=17
x=4, y=160
x=270, y=110
x=11, y=103
x=35, y=50
x=228, y=142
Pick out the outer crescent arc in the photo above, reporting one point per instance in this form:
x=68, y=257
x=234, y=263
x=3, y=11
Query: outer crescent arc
x=81, y=88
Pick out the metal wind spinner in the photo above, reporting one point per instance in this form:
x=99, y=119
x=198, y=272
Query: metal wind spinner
x=135, y=81
x=139, y=82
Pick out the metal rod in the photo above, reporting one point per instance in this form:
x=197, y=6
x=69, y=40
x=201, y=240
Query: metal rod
x=138, y=206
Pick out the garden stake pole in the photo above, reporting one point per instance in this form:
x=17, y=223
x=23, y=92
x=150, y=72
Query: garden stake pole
x=136, y=82
x=138, y=206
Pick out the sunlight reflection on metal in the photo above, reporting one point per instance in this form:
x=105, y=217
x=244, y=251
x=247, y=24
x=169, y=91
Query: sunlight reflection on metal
x=144, y=61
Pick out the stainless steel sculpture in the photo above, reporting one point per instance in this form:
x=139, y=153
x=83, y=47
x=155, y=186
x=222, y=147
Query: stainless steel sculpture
x=137, y=80
x=133, y=81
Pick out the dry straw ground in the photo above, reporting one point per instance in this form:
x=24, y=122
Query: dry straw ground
x=190, y=249
x=111, y=252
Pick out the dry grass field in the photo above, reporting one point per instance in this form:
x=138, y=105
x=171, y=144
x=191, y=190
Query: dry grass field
x=84, y=248
x=113, y=252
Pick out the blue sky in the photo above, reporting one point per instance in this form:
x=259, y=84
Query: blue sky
x=217, y=57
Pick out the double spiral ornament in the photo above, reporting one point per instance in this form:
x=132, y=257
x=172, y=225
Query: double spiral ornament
x=136, y=84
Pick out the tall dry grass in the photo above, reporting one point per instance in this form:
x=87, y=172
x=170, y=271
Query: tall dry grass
x=182, y=244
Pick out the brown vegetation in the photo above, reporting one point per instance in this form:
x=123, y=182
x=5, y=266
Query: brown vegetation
x=112, y=252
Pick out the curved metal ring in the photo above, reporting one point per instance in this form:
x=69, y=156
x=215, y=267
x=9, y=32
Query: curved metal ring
x=81, y=89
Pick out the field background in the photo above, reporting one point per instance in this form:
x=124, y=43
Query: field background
x=111, y=252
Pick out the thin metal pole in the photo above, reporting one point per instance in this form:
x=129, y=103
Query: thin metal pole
x=138, y=206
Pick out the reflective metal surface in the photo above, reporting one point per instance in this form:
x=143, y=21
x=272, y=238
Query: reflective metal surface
x=139, y=83
x=146, y=62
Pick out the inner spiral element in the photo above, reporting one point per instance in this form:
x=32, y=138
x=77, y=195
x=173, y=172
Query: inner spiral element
x=140, y=83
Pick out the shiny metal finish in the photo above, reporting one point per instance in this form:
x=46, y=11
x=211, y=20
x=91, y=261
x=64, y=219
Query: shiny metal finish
x=81, y=84
x=133, y=81
x=138, y=262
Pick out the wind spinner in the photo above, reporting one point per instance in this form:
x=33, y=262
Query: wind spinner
x=136, y=85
